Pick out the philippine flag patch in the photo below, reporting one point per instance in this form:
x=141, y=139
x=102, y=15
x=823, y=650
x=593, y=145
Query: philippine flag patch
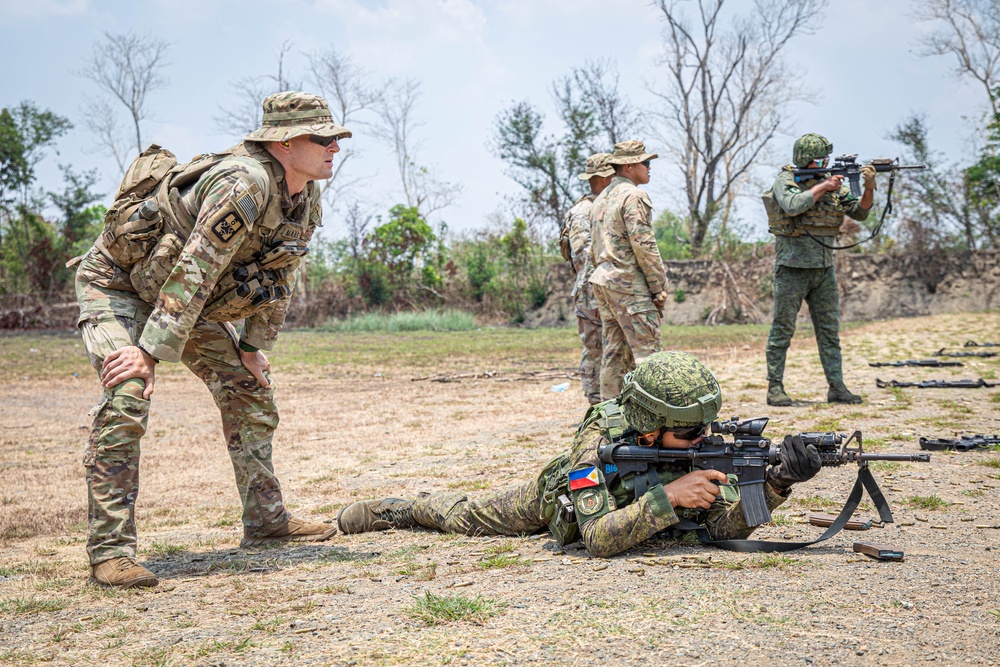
x=583, y=478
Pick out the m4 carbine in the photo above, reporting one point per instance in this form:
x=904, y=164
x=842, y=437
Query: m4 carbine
x=747, y=455
x=848, y=167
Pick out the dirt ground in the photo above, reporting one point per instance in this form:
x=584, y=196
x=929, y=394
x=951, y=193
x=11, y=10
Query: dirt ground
x=356, y=430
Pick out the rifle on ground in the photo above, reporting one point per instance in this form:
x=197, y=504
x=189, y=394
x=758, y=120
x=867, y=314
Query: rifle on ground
x=747, y=455
x=848, y=167
x=972, y=343
x=942, y=353
x=961, y=444
x=933, y=363
x=938, y=384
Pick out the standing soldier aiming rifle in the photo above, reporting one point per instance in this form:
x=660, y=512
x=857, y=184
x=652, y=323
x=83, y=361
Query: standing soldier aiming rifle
x=802, y=211
x=588, y=319
x=186, y=250
x=629, y=279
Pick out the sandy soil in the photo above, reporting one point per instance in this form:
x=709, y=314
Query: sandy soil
x=349, y=433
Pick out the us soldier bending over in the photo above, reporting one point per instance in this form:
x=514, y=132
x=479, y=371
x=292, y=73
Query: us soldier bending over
x=611, y=519
x=163, y=283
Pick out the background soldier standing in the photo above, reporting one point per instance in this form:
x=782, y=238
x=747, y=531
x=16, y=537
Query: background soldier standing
x=187, y=249
x=610, y=519
x=803, y=268
x=588, y=319
x=629, y=278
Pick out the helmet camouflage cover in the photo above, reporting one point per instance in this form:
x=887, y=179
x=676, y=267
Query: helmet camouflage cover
x=810, y=147
x=670, y=389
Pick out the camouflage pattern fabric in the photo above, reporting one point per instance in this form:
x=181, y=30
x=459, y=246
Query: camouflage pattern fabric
x=818, y=287
x=679, y=379
x=810, y=147
x=588, y=319
x=622, y=522
x=630, y=332
x=290, y=114
x=111, y=317
x=623, y=248
x=590, y=330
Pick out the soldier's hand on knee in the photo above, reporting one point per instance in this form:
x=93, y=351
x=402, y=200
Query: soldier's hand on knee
x=257, y=364
x=697, y=489
x=127, y=363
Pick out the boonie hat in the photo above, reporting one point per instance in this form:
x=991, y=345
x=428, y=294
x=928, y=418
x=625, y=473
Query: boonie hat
x=630, y=152
x=292, y=114
x=597, y=165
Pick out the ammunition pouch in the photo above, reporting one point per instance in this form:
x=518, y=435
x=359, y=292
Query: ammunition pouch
x=150, y=272
x=555, y=507
x=248, y=288
x=125, y=240
x=823, y=219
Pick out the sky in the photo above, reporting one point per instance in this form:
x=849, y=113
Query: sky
x=473, y=59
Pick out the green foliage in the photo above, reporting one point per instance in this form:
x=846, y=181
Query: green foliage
x=983, y=180
x=441, y=609
x=672, y=236
x=679, y=295
x=932, y=502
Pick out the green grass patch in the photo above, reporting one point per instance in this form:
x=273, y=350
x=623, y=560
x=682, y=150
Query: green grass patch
x=30, y=605
x=828, y=425
x=884, y=466
x=764, y=562
x=974, y=493
x=991, y=463
x=427, y=320
x=815, y=501
x=163, y=548
x=434, y=609
x=932, y=502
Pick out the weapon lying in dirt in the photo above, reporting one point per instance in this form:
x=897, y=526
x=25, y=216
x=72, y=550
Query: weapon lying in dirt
x=972, y=343
x=934, y=363
x=848, y=167
x=747, y=455
x=942, y=353
x=961, y=444
x=938, y=384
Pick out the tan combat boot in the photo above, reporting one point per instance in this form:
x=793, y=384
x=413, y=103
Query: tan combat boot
x=293, y=531
x=122, y=572
x=368, y=515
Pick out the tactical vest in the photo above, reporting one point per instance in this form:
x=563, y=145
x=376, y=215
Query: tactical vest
x=824, y=218
x=261, y=270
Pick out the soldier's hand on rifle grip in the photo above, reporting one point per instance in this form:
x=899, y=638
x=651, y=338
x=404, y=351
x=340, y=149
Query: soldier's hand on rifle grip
x=799, y=462
x=868, y=176
x=697, y=489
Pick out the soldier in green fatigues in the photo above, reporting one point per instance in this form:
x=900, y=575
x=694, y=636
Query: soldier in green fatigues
x=629, y=279
x=577, y=228
x=803, y=266
x=186, y=250
x=668, y=400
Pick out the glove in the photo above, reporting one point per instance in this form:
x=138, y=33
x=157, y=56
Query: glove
x=799, y=463
x=868, y=174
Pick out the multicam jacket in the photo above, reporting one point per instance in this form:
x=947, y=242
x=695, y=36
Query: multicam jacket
x=578, y=229
x=623, y=247
x=612, y=519
x=229, y=218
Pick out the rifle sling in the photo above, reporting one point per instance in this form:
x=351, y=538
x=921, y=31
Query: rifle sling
x=864, y=481
x=878, y=227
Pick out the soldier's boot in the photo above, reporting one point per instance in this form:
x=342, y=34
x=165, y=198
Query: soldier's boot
x=838, y=393
x=293, y=531
x=122, y=572
x=367, y=515
x=776, y=394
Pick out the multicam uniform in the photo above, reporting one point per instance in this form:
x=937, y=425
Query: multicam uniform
x=629, y=273
x=611, y=519
x=803, y=270
x=176, y=305
x=588, y=318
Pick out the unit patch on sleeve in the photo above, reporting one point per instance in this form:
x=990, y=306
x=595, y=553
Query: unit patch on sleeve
x=583, y=478
x=589, y=502
x=227, y=226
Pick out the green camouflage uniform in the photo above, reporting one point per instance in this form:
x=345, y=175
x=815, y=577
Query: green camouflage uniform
x=803, y=270
x=629, y=273
x=611, y=520
x=176, y=303
x=588, y=319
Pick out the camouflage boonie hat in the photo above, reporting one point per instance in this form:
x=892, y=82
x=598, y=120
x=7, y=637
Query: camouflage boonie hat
x=292, y=114
x=630, y=152
x=810, y=147
x=670, y=389
x=597, y=165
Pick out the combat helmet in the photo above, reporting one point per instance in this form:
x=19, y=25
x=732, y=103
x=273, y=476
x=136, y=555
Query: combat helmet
x=670, y=389
x=810, y=147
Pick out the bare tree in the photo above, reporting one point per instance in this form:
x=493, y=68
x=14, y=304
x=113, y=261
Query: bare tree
x=395, y=125
x=244, y=116
x=588, y=98
x=127, y=67
x=723, y=96
x=971, y=33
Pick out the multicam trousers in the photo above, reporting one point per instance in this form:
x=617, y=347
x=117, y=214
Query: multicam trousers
x=588, y=324
x=112, y=316
x=818, y=287
x=511, y=511
x=630, y=333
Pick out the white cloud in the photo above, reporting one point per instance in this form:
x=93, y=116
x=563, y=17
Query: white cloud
x=43, y=9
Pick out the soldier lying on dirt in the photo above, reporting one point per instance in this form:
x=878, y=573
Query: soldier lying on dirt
x=679, y=398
